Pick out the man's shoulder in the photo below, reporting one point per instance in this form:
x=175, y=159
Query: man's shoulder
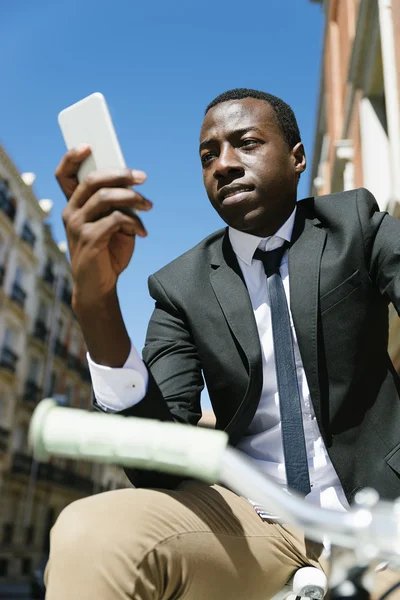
x=340, y=204
x=199, y=255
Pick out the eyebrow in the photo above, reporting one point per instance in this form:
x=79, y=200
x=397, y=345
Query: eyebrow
x=235, y=131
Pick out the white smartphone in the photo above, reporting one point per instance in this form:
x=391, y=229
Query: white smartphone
x=89, y=122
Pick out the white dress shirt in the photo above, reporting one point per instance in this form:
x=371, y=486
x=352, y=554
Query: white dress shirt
x=117, y=389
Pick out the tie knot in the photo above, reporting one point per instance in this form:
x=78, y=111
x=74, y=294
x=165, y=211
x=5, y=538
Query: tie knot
x=271, y=259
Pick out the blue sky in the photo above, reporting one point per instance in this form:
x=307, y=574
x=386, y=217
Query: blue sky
x=158, y=64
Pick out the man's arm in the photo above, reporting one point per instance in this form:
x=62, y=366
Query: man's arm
x=381, y=234
x=101, y=239
x=175, y=379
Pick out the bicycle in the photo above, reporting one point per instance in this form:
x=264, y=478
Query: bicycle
x=369, y=531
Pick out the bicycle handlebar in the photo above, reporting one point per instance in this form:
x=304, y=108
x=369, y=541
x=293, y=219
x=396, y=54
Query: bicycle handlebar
x=371, y=526
x=128, y=442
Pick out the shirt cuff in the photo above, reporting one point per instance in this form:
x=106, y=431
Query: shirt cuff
x=117, y=389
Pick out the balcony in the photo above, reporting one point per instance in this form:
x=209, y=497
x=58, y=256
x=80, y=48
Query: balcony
x=32, y=392
x=8, y=359
x=2, y=273
x=60, y=349
x=40, y=331
x=18, y=294
x=4, y=437
x=48, y=275
x=28, y=236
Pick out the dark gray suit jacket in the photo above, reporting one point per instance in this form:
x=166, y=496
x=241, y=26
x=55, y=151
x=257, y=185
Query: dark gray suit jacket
x=344, y=269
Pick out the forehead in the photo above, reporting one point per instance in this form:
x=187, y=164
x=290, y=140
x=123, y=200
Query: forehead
x=227, y=117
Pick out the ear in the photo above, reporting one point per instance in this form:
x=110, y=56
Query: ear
x=299, y=158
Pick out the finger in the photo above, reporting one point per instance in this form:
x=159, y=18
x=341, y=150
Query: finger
x=108, y=178
x=67, y=170
x=102, y=230
x=108, y=199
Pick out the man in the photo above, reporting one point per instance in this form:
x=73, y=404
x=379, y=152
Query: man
x=319, y=369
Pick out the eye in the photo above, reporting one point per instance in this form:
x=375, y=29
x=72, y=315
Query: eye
x=249, y=142
x=206, y=157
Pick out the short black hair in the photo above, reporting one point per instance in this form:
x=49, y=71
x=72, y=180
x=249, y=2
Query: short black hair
x=284, y=113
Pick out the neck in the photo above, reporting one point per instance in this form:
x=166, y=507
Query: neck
x=272, y=227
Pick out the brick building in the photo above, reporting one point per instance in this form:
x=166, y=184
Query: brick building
x=357, y=138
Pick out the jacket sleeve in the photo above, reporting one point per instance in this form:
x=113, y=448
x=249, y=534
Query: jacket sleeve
x=175, y=377
x=381, y=234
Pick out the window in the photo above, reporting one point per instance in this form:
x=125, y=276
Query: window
x=61, y=329
x=66, y=292
x=19, y=438
x=18, y=293
x=8, y=533
x=7, y=202
x=9, y=337
x=30, y=535
x=19, y=276
x=26, y=566
x=48, y=273
x=4, y=408
x=8, y=357
x=2, y=261
x=4, y=192
x=53, y=383
x=74, y=343
x=28, y=235
x=43, y=312
x=34, y=369
x=69, y=394
x=3, y=567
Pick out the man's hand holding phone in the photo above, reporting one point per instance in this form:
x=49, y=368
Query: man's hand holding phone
x=101, y=223
x=100, y=233
x=101, y=240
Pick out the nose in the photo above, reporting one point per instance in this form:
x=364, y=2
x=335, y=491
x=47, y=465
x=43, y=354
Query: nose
x=227, y=164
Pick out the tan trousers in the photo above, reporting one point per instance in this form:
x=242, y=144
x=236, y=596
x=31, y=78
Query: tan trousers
x=198, y=543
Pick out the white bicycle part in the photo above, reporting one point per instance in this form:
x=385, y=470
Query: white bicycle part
x=371, y=528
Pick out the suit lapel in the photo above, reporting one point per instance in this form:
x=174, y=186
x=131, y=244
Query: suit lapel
x=232, y=295
x=308, y=241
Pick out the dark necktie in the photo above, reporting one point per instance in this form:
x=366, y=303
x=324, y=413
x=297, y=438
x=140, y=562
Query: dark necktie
x=294, y=445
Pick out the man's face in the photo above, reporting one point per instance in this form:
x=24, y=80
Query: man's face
x=249, y=172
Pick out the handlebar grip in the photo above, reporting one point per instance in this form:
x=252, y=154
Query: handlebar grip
x=126, y=441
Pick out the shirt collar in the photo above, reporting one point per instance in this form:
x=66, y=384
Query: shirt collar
x=245, y=244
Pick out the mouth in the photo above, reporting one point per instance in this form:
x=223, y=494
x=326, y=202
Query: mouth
x=234, y=192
